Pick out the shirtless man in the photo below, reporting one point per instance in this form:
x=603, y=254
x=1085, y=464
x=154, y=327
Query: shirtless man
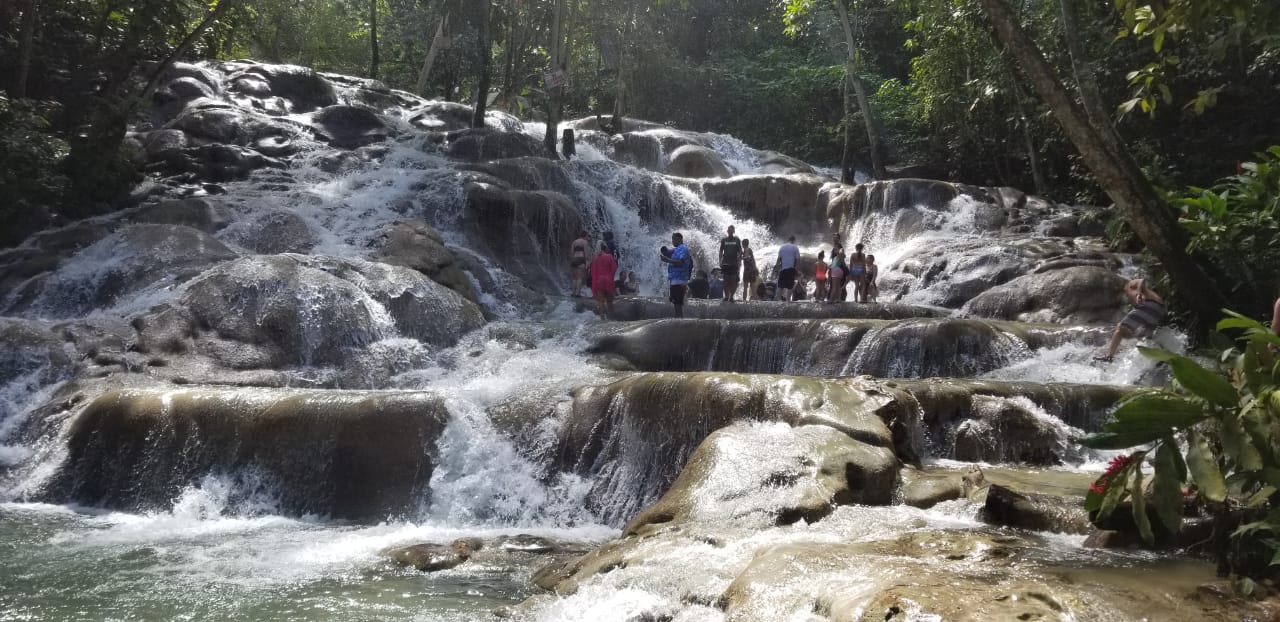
x=1147, y=313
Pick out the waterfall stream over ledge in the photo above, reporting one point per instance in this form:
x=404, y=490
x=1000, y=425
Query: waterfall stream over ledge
x=327, y=327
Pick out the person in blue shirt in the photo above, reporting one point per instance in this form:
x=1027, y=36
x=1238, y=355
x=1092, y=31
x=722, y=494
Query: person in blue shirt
x=716, y=286
x=679, y=269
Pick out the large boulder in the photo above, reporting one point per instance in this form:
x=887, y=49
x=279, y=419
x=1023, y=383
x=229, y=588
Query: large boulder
x=787, y=204
x=631, y=437
x=486, y=143
x=114, y=269
x=353, y=455
x=527, y=232
x=351, y=127
x=442, y=116
x=415, y=244
x=272, y=231
x=304, y=89
x=221, y=123
x=1080, y=294
x=773, y=474
x=638, y=149
x=284, y=310
x=204, y=214
x=1038, y=512
x=1013, y=430
x=697, y=161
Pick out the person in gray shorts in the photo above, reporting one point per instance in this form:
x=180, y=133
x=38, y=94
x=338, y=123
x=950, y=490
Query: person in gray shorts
x=1147, y=314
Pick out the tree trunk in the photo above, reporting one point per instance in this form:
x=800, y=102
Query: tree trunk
x=374, y=59
x=486, y=53
x=860, y=91
x=437, y=42
x=846, y=157
x=557, y=65
x=26, y=46
x=1086, y=77
x=509, y=60
x=1150, y=218
x=210, y=17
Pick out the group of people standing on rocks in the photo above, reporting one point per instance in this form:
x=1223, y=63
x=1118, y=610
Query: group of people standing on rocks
x=600, y=271
x=836, y=272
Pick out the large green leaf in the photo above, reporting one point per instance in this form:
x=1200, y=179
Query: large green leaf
x=1203, y=383
x=1237, y=444
x=1123, y=440
x=1166, y=487
x=1204, y=468
x=1140, y=506
x=1157, y=409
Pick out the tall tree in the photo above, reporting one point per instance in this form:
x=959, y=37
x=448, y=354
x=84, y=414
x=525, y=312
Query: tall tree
x=30, y=22
x=374, y=59
x=557, y=74
x=1119, y=175
x=485, y=53
x=793, y=14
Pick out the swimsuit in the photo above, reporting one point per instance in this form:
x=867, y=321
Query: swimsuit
x=1144, y=318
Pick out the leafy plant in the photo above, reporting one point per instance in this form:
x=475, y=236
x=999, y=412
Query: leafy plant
x=1216, y=435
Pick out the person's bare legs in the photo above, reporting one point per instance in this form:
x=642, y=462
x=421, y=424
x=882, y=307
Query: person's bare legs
x=579, y=274
x=1121, y=333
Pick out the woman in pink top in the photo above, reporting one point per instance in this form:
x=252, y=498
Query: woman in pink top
x=603, y=288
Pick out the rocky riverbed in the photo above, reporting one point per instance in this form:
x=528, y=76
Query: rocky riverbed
x=329, y=334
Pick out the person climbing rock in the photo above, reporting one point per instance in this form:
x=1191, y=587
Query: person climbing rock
x=730, y=264
x=788, y=258
x=679, y=266
x=1142, y=320
x=750, y=273
x=578, y=262
x=603, y=288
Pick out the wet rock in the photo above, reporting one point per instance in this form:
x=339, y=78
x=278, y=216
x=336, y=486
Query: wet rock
x=787, y=475
x=925, y=490
x=1033, y=511
x=526, y=543
x=351, y=127
x=893, y=196
x=275, y=146
x=303, y=88
x=207, y=78
x=527, y=232
x=1004, y=430
x=415, y=244
x=31, y=349
x=185, y=89
x=774, y=163
x=429, y=557
x=946, y=402
x=633, y=308
x=1081, y=295
x=117, y=267
x=697, y=161
x=301, y=310
x=271, y=232
x=640, y=150
x=198, y=213
x=442, y=116
x=788, y=204
x=164, y=144
x=664, y=417
x=354, y=455
x=225, y=125
x=479, y=144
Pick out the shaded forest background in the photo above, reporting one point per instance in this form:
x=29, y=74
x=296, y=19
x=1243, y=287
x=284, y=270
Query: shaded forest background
x=1191, y=86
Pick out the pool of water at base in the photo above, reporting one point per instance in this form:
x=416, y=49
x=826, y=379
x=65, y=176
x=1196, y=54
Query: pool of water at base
x=62, y=564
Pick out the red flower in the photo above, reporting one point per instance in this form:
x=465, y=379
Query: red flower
x=1117, y=463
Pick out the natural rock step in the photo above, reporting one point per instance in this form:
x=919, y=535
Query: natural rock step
x=631, y=437
x=345, y=454
x=627, y=309
x=910, y=348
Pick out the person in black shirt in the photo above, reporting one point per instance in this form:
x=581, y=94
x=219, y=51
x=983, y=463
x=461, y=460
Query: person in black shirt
x=699, y=286
x=730, y=264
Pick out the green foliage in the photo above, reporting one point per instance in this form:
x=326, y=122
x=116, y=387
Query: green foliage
x=1235, y=225
x=30, y=158
x=1229, y=421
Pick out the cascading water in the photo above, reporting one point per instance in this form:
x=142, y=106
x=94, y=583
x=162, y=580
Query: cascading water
x=128, y=301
